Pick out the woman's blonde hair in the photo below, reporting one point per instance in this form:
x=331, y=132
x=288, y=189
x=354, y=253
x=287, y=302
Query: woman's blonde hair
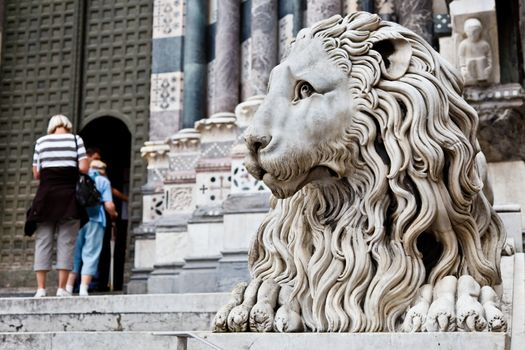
x=58, y=121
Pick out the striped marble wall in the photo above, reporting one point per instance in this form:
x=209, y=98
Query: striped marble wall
x=167, y=76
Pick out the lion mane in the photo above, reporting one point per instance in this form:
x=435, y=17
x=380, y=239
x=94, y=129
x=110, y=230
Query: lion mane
x=356, y=251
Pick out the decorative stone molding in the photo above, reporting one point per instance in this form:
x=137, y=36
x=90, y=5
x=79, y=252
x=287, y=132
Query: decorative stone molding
x=155, y=153
x=246, y=110
x=185, y=139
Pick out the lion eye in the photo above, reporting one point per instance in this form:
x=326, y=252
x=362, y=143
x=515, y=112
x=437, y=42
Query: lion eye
x=303, y=89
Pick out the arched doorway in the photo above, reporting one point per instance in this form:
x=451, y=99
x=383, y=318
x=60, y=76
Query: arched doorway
x=111, y=136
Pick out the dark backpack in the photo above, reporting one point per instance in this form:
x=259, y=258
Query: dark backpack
x=87, y=193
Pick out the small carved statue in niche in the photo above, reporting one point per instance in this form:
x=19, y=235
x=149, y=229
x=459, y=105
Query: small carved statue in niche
x=475, y=56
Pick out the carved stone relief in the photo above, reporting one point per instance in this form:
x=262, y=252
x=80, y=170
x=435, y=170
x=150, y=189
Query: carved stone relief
x=475, y=55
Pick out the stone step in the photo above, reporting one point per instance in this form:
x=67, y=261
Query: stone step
x=253, y=341
x=151, y=312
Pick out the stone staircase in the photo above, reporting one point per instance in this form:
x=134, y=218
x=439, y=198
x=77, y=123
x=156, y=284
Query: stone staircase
x=182, y=322
x=110, y=313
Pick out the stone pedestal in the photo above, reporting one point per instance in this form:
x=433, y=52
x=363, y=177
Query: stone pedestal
x=243, y=213
x=143, y=260
x=165, y=278
x=353, y=341
x=511, y=215
x=199, y=274
x=507, y=181
x=171, y=244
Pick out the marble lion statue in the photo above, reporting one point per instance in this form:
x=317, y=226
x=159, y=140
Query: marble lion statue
x=379, y=217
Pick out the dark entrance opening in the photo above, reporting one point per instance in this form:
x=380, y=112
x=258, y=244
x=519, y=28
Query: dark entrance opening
x=112, y=137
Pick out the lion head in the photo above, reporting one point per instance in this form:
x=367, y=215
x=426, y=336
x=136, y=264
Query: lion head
x=370, y=153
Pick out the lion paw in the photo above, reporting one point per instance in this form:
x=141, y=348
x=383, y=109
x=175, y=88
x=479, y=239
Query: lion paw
x=220, y=322
x=441, y=316
x=263, y=314
x=261, y=317
x=495, y=318
x=288, y=317
x=250, y=307
x=416, y=316
x=238, y=318
x=471, y=315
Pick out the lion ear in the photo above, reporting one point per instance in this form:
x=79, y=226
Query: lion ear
x=396, y=54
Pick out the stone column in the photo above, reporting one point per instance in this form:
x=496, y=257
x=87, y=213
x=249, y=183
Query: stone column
x=246, y=48
x=386, y=9
x=264, y=47
x=317, y=10
x=166, y=69
x=290, y=22
x=211, y=32
x=416, y=15
x=227, y=57
x=350, y=6
x=194, y=106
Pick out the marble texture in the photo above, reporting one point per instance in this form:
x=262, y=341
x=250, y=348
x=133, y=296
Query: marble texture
x=264, y=47
x=327, y=142
x=349, y=6
x=194, y=62
x=144, y=255
x=227, y=57
x=386, y=9
x=416, y=15
x=317, y=10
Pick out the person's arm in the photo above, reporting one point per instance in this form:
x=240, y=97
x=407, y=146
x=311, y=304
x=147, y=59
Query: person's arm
x=110, y=208
x=83, y=165
x=116, y=193
x=36, y=173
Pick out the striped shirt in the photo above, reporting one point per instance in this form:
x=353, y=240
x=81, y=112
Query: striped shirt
x=58, y=150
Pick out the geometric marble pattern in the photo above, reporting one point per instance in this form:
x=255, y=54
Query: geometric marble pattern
x=216, y=149
x=244, y=182
x=168, y=18
x=442, y=24
x=166, y=91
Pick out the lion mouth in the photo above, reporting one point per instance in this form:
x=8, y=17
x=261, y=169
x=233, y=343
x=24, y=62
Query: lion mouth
x=283, y=189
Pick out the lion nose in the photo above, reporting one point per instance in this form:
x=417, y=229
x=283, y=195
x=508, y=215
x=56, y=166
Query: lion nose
x=256, y=142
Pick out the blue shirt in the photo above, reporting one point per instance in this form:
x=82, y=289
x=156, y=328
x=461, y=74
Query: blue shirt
x=96, y=213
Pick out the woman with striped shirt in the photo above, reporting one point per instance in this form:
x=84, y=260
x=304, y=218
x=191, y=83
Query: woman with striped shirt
x=57, y=160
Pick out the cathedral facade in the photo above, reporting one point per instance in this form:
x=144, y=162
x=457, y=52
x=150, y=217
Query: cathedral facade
x=164, y=89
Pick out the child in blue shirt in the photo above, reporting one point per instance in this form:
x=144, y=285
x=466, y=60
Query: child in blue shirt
x=91, y=235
